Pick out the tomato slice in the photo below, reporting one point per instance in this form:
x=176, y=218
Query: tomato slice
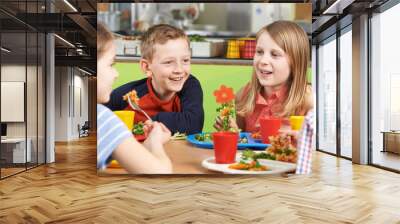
x=140, y=138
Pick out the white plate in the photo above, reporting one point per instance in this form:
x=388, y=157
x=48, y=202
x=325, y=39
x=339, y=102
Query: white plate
x=274, y=167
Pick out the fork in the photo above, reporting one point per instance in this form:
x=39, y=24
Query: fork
x=136, y=107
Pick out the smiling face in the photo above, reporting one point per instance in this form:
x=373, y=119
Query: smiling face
x=169, y=68
x=106, y=74
x=271, y=63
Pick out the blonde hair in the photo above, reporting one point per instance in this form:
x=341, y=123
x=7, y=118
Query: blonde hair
x=103, y=38
x=294, y=41
x=159, y=34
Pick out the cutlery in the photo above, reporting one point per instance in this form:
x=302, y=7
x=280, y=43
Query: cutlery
x=136, y=107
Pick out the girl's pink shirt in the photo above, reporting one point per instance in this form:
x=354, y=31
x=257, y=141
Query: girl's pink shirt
x=269, y=107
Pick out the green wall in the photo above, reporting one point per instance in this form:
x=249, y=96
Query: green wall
x=210, y=77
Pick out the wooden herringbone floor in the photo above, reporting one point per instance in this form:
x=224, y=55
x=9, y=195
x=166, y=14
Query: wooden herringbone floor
x=69, y=191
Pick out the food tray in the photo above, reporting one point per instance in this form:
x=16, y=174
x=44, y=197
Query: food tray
x=252, y=143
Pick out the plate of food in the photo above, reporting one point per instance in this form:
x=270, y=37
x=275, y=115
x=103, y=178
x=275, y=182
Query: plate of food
x=245, y=164
x=204, y=140
x=282, y=149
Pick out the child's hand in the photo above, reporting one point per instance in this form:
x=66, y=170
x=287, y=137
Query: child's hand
x=218, y=123
x=158, y=134
x=292, y=133
x=148, y=125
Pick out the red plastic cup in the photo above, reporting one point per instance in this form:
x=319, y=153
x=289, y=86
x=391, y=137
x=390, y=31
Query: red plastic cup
x=249, y=49
x=225, y=146
x=269, y=127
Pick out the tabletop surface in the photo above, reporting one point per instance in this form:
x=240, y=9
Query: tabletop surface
x=185, y=158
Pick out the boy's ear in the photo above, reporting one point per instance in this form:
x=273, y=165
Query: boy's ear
x=145, y=66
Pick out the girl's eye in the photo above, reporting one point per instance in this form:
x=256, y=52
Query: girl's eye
x=186, y=60
x=168, y=62
x=275, y=54
x=259, y=51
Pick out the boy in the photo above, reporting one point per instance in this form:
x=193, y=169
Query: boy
x=169, y=94
x=113, y=137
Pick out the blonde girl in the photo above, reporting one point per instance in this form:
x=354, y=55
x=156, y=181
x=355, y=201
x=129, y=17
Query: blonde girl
x=278, y=87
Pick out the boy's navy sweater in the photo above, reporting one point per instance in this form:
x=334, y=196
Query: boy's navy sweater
x=183, y=113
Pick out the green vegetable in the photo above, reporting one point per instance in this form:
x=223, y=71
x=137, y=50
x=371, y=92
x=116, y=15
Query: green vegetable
x=287, y=151
x=248, y=154
x=225, y=122
x=264, y=155
x=196, y=38
x=199, y=137
x=138, y=129
x=251, y=155
x=204, y=137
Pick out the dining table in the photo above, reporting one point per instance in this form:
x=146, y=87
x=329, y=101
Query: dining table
x=185, y=157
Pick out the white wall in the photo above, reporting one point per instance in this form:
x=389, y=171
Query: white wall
x=61, y=103
x=80, y=110
x=12, y=73
x=33, y=127
x=214, y=13
x=71, y=88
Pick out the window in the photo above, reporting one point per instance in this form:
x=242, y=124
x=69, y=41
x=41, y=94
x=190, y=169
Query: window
x=327, y=96
x=346, y=94
x=22, y=69
x=385, y=88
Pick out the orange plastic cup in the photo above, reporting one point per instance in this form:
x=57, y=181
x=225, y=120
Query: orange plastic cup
x=127, y=117
x=269, y=127
x=296, y=122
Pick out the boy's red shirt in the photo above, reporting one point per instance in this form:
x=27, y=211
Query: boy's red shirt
x=153, y=105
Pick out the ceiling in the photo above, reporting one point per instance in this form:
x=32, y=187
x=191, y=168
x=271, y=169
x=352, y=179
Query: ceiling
x=23, y=21
x=333, y=15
